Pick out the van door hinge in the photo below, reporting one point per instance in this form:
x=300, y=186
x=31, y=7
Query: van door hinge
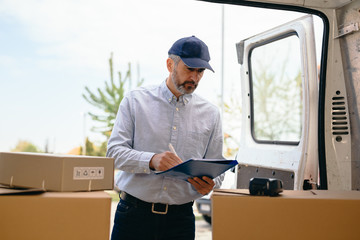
x=344, y=30
x=240, y=51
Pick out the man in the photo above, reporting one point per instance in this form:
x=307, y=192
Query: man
x=148, y=120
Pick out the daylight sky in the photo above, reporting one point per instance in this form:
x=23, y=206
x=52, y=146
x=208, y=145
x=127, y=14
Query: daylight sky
x=50, y=50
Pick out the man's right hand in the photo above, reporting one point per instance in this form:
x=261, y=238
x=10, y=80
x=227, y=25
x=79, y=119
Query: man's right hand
x=164, y=161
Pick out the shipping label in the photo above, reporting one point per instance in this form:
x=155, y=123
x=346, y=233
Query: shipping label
x=88, y=173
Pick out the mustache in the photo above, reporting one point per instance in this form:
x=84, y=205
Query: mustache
x=190, y=82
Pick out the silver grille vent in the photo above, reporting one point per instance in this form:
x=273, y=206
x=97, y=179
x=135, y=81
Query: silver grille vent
x=339, y=117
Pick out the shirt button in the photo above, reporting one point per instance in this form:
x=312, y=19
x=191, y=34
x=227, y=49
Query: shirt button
x=174, y=127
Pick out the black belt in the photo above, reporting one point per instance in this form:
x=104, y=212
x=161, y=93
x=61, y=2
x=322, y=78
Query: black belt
x=158, y=208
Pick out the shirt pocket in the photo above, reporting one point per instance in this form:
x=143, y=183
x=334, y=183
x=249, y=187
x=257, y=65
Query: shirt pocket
x=196, y=144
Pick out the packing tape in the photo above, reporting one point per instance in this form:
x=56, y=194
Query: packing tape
x=11, y=181
x=43, y=185
x=89, y=187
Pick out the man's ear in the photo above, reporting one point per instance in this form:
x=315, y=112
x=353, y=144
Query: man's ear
x=170, y=64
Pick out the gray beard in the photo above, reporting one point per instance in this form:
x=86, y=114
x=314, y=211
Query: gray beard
x=181, y=88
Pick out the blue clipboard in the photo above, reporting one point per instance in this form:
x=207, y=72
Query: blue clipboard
x=199, y=168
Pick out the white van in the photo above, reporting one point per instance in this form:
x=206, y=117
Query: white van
x=300, y=120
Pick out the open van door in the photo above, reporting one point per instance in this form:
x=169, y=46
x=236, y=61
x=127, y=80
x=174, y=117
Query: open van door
x=279, y=136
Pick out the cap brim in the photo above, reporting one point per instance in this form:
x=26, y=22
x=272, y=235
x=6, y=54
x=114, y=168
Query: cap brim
x=196, y=63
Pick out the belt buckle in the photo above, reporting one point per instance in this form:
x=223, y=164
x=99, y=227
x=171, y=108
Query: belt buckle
x=158, y=212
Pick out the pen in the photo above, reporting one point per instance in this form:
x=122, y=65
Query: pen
x=172, y=149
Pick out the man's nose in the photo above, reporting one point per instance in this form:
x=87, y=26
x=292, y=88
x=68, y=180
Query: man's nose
x=195, y=76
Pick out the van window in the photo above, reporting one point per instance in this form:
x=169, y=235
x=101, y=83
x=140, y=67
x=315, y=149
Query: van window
x=276, y=90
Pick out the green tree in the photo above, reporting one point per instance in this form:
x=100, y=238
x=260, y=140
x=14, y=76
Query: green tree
x=94, y=150
x=109, y=98
x=25, y=146
x=90, y=148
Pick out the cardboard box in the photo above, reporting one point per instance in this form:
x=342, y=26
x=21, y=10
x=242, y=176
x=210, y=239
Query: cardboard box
x=56, y=172
x=55, y=216
x=299, y=215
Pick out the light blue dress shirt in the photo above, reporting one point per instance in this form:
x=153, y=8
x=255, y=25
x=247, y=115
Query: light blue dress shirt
x=147, y=121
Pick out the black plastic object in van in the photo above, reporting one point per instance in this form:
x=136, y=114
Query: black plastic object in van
x=265, y=186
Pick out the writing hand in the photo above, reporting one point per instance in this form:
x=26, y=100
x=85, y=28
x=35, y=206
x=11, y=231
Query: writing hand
x=203, y=185
x=164, y=161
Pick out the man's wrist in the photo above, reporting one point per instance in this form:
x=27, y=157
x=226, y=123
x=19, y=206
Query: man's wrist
x=151, y=166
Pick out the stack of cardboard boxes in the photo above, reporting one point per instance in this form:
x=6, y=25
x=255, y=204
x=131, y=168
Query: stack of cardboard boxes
x=63, y=196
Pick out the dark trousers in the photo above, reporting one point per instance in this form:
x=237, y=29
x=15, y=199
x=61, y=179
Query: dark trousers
x=138, y=222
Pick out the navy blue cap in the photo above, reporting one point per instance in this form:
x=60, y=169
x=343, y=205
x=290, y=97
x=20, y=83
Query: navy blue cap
x=192, y=51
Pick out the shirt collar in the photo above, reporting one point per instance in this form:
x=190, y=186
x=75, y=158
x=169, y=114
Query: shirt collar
x=170, y=97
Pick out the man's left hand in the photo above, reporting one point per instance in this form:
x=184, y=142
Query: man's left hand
x=203, y=185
